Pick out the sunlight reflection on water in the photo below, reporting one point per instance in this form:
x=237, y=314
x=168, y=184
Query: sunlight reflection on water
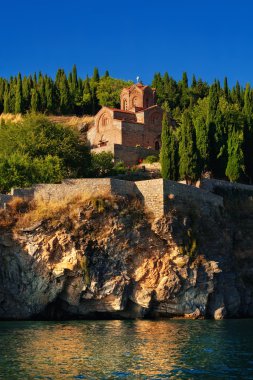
x=167, y=349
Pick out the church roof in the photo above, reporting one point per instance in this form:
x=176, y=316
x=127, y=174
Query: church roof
x=129, y=121
x=149, y=108
x=139, y=85
x=119, y=110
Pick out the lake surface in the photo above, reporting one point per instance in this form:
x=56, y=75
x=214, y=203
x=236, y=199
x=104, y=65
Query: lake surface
x=167, y=349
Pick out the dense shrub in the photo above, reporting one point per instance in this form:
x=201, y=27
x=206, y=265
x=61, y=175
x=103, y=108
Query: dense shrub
x=150, y=159
x=101, y=164
x=37, y=150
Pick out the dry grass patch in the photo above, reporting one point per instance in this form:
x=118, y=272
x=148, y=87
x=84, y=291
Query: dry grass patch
x=59, y=210
x=9, y=118
x=73, y=121
x=14, y=210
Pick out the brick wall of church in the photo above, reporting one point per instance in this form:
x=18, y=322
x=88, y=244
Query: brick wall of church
x=132, y=134
x=109, y=133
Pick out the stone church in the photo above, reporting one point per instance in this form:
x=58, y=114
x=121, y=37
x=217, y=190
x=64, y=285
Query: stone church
x=132, y=132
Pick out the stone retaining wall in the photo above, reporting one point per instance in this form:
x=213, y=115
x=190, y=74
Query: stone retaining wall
x=157, y=195
x=151, y=192
x=129, y=154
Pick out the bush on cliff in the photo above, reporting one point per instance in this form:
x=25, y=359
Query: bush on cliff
x=101, y=164
x=38, y=150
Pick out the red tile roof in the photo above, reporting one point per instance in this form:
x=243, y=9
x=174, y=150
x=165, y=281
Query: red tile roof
x=119, y=110
x=129, y=121
x=145, y=109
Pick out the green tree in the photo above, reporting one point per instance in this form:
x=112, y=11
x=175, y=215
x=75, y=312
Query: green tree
x=108, y=91
x=20, y=170
x=188, y=162
x=64, y=94
x=168, y=153
x=7, y=106
x=87, y=96
x=248, y=132
x=35, y=102
x=226, y=89
x=102, y=163
x=235, y=164
x=37, y=137
x=19, y=96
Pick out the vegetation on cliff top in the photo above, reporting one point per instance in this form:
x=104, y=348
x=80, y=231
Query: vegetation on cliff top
x=214, y=131
x=63, y=95
x=23, y=213
x=36, y=150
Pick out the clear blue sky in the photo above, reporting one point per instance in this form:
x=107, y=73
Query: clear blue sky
x=211, y=38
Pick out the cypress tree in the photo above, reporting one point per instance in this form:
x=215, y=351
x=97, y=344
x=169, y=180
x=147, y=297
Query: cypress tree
x=213, y=103
x=13, y=86
x=19, y=96
x=7, y=108
x=238, y=94
x=74, y=80
x=225, y=88
x=185, y=80
x=26, y=91
x=168, y=153
x=65, y=99
x=235, y=164
x=87, y=97
x=95, y=77
x=35, y=101
x=194, y=82
x=49, y=94
x=202, y=141
x=185, y=99
x=158, y=84
x=188, y=163
x=2, y=89
x=248, y=132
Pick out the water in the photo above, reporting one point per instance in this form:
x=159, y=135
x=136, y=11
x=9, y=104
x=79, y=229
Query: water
x=167, y=349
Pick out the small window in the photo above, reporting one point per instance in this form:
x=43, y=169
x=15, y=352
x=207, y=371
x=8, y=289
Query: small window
x=135, y=99
x=157, y=145
x=105, y=121
x=125, y=105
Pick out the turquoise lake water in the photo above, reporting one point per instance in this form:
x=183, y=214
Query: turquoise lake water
x=140, y=349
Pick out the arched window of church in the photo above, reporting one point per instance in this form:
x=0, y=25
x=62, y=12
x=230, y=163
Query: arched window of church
x=135, y=100
x=125, y=104
x=105, y=121
x=157, y=145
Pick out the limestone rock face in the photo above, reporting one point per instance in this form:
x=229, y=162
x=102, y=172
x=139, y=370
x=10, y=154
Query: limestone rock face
x=120, y=263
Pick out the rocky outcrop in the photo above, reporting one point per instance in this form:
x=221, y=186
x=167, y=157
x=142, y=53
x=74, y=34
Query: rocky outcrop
x=111, y=260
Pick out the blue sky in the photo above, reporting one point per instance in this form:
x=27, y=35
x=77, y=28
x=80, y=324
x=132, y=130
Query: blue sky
x=210, y=38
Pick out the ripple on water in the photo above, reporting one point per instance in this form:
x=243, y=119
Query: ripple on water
x=126, y=350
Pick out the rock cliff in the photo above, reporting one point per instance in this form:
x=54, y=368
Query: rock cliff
x=109, y=259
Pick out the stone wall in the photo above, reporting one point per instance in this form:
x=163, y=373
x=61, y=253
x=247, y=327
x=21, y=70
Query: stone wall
x=151, y=192
x=157, y=195
x=174, y=191
x=131, y=155
x=71, y=188
x=212, y=185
